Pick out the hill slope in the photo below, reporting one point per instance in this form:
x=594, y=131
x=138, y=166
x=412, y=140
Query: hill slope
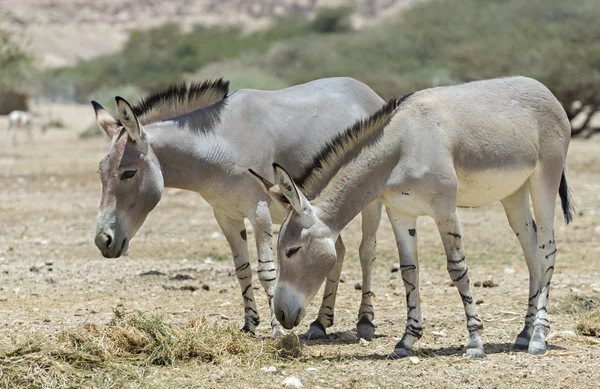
x=60, y=32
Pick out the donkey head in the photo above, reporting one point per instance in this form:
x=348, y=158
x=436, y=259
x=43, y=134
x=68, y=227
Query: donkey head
x=132, y=182
x=306, y=250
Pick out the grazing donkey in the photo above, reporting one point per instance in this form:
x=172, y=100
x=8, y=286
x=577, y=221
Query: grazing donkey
x=427, y=154
x=199, y=138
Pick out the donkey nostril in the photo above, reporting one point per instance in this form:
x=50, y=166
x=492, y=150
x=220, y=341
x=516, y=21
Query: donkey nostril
x=108, y=240
x=281, y=316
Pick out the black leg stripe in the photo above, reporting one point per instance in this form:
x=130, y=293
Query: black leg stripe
x=243, y=266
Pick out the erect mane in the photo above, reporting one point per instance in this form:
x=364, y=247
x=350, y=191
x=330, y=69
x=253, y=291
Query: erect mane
x=329, y=159
x=178, y=100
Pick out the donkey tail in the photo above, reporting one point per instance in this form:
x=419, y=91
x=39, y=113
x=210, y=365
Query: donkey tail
x=565, y=199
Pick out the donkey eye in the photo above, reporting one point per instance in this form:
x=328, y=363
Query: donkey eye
x=128, y=174
x=292, y=251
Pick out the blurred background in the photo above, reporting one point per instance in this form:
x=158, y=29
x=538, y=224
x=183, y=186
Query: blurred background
x=71, y=51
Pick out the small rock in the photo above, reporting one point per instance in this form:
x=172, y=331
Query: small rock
x=182, y=277
x=216, y=235
x=347, y=336
x=184, y=260
x=395, y=268
x=562, y=334
x=363, y=342
x=597, y=229
x=342, y=279
x=576, y=290
x=34, y=269
x=358, y=286
x=479, y=302
x=509, y=270
x=441, y=334
x=489, y=284
x=311, y=369
x=269, y=369
x=597, y=290
x=292, y=382
x=205, y=287
x=477, y=284
x=414, y=360
x=209, y=261
x=3, y=299
x=152, y=273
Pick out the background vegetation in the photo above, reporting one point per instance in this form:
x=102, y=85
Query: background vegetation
x=438, y=43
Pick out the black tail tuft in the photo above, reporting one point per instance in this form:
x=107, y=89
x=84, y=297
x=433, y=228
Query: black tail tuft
x=565, y=199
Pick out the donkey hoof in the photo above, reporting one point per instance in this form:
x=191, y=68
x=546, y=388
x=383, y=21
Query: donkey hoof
x=365, y=329
x=400, y=352
x=537, y=347
x=521, y=343
x=246, y=329
x=315, y=331
x=475, y=352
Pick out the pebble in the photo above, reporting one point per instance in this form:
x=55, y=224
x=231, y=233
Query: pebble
x=441, y=333
x=509, y=270
x=216, y=235
x=311, y=369
x=575, y=290
x=209, y=261
x=269, y=369
x=489, y=284
x=292, y=382
x=347, y=336
x=363, y=342
x=358, y=286
x=414, y=360
x=563, y=334
x=597, y=290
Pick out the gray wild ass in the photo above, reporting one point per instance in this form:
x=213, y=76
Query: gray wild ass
x=427, y=154
x=201, y=139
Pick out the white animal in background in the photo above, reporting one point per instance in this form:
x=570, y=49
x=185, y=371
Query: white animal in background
x=25, y=120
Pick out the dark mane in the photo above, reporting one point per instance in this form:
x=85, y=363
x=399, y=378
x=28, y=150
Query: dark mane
x=334, y=151
x=178, y=100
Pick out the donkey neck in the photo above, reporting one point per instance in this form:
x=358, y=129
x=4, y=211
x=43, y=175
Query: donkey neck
x=188, y=159
x=357, y=184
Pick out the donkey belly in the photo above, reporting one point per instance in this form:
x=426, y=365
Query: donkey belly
x=484, y=187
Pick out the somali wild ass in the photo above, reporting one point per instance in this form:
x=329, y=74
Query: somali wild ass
x=201, y=139
x=427, y=154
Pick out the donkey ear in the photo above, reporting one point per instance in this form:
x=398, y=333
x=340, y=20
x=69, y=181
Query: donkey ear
x=105, y=120
x=271, y=188
x=129, y=120
x=297, y=200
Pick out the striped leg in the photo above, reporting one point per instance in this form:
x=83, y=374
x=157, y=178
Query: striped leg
x=325, y=316
x=405, y=231
x=371, y=217
x=235, y=233
x=449, y=228
x=260, y=218
x=521, y=221
x=544, y=188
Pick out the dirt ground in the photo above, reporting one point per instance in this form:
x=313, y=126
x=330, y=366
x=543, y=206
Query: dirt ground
x=53, y=278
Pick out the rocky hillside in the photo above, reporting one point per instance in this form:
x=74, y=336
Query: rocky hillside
x=60, y=32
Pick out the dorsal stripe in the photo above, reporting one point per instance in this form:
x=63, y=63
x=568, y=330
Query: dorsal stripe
x=330, y=158
x=178, y=100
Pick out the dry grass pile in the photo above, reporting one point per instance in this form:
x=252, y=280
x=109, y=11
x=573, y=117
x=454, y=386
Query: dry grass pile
x=587, y=309
x=132, y=341
x=589, y=324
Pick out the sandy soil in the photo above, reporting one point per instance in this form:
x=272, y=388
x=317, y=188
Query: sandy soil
x=52, y=277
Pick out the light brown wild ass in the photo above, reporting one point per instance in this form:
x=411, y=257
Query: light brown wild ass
x=200, y=139
x=427, y=154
